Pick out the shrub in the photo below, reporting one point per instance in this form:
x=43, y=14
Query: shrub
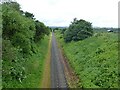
x=78, y=30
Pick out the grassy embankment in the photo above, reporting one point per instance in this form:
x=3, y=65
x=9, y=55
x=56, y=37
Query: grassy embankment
x=34, y=67
x=95, y=60
x=45, y=83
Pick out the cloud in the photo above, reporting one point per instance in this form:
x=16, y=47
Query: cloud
x=61, y=12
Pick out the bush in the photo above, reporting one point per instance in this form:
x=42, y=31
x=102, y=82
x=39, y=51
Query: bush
x=12, y=68
x=78, y=30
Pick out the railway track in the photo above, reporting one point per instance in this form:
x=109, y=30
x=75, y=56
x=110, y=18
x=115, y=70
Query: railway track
x=58, y=79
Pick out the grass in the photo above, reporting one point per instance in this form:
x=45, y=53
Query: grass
x=95, y=60
x=34, y=67
x=46, y=74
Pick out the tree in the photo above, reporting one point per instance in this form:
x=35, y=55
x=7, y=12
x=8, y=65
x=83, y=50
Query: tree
x=19, y=30
x=78, y=30
x=13, y=5
x=41, y=30
x=29, y=15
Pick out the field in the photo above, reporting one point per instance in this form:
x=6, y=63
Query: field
x=95, y=60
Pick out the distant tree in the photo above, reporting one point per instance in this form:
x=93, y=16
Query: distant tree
x=41, y=30
x=50, y=29
x=56, y=28
x=29, y=15
x=78, y=30
x=13, y=5
x=63, y=30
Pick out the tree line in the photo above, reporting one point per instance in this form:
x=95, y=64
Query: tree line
x=21, y=33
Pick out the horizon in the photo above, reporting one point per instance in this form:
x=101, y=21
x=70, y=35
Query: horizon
x=92, y=26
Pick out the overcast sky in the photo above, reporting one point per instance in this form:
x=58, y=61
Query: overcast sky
x=101, y=13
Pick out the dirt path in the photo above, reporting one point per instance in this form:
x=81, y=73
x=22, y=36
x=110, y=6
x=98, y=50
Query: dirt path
x=58, y=79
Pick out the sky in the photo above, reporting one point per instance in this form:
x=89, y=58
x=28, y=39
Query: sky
x=101, y=13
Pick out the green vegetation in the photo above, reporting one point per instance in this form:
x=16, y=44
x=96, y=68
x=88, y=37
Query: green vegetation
x=24, y=47
x=33, y=67
x=98, y=29
x=95, y=59
x=78, y=30
x=0, y=45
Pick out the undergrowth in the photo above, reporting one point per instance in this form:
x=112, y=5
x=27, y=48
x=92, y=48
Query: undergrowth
x=95, y=60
